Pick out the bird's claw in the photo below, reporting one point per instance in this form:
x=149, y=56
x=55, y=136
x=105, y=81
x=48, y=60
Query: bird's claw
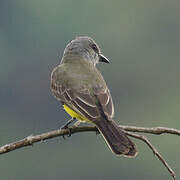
x=69, y=131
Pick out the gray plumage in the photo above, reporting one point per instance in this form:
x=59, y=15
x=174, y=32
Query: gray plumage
x=77, y=83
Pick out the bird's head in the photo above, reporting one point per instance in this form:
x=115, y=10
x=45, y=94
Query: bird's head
x=87, y=48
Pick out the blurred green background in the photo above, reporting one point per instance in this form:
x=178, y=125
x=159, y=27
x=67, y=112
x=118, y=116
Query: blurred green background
x=142, y=41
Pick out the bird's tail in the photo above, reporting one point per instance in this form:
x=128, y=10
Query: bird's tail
x=116, y=139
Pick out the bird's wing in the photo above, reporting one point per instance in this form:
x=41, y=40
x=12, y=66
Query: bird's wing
x=104, y=101
x=83, y=101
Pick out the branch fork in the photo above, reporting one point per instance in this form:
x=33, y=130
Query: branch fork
x=129, y=130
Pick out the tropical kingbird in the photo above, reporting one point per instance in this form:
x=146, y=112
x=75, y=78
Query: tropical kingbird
x=82, y=90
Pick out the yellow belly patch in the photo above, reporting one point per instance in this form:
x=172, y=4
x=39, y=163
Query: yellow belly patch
x=74, y=114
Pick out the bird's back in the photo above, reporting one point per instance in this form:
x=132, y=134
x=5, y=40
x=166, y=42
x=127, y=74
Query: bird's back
x=78, y=75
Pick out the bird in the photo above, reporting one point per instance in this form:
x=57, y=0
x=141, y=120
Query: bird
x=80, y=87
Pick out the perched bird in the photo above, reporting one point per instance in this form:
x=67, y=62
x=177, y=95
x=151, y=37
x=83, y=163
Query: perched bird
x=82, y=90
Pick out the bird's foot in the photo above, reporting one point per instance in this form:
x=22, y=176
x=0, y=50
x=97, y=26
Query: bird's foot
x=66, y=126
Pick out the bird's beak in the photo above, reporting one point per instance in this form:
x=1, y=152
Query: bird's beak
x=104, y=59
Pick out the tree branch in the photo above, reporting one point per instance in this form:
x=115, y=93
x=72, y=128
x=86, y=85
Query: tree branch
x=154, y=130
x=154, y=150
x=30, y=140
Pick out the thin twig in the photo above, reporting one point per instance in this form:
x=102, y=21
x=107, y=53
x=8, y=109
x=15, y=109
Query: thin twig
x=30, y=140
x=154, y=130
x=154, y=150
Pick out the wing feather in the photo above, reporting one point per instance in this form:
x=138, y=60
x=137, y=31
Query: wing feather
x=84, y=102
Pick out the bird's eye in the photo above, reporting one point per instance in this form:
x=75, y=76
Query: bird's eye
x=94, y=47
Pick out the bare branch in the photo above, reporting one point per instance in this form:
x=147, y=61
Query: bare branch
x=154, y=130
x=30, y=140
x=154, y=150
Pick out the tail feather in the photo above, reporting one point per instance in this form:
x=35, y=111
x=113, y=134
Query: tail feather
x=116, y=139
